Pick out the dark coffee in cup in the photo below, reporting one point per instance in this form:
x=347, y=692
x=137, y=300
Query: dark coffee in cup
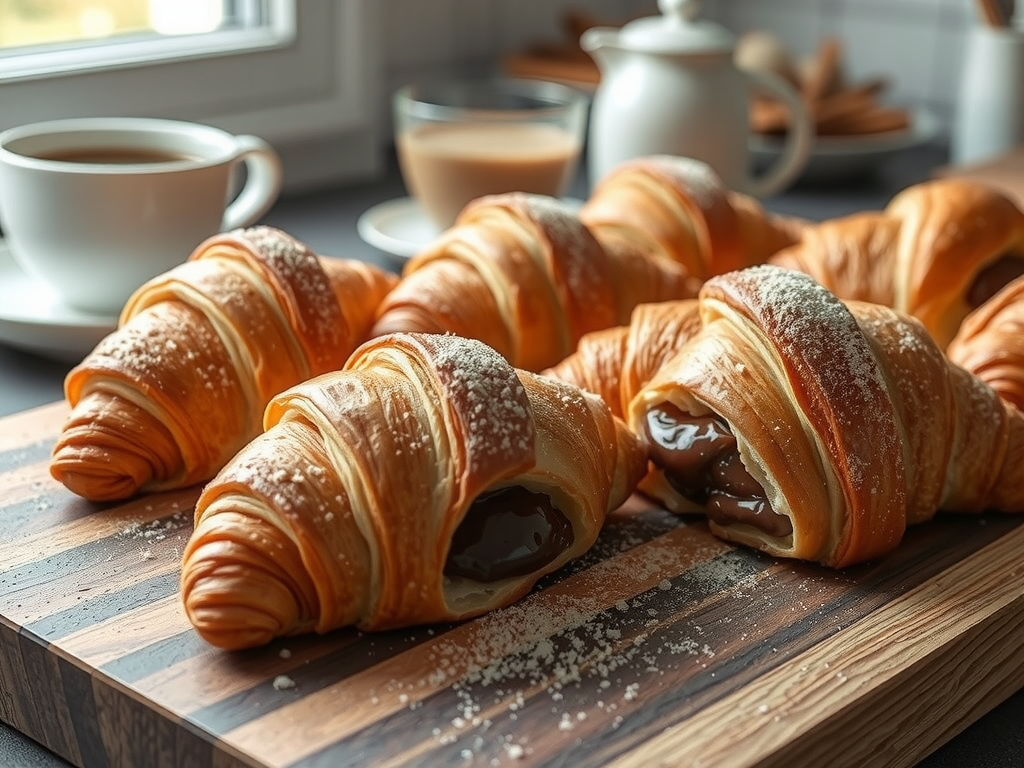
x=113, y=155
x=94, y=207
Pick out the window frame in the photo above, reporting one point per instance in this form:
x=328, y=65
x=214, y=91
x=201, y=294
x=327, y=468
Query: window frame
x=312, y=79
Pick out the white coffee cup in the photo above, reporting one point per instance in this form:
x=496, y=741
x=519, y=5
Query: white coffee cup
x=94, y=207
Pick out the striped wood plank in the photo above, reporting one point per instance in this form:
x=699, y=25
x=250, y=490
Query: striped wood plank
x=662, y=646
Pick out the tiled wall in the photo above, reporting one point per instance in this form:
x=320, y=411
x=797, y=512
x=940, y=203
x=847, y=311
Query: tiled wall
x=916, y=44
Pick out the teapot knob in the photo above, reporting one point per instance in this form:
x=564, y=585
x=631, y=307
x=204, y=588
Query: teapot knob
x=679, y=10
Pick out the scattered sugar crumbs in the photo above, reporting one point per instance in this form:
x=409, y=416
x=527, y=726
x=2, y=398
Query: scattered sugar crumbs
x=147, y=533
x=586, y=662
x=283, y=683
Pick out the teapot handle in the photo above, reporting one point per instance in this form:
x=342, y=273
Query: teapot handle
x=799, y=137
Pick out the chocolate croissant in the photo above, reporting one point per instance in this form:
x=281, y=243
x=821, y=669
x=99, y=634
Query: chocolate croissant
x=427, y=481
x=816, y=429
x=166, y=399
x=990, y=343
x=522, y=274
x=939, y=250
x=677, y=208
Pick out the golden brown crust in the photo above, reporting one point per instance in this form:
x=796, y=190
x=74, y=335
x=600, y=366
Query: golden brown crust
x=847, y=414
x=921, y=255
x=524, y=275
x=343, y=511
x=990, y=343
x=677, y=208
x=617, y=362
x=952, y=229
x=850, y=256
x=780, y=358
x=168, y=398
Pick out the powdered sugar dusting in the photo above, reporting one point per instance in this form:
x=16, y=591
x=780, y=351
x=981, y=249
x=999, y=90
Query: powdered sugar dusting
x=561, y=224
x=311, y=304
x=216, y=284
x=573, y=247
x=150, y=351
x=490, y=395
x=578, y=657
x=833, y=363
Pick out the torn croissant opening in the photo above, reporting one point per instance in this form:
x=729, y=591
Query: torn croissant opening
x=703, y=461
x=254, y=588
x=509, y=533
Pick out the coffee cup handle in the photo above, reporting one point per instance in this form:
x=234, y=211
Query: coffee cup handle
x=262, y=183
x=799, y=137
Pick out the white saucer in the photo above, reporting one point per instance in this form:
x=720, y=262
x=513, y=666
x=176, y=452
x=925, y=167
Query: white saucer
x=34, y=319
x=400, y=227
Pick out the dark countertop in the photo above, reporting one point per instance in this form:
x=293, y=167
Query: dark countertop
x=326, y=220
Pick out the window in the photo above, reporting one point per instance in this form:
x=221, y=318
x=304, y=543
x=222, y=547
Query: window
x=296, y=73
x=70, y=23
x=54, y=37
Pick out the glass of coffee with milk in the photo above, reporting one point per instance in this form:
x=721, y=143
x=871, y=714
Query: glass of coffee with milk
x=458, y=140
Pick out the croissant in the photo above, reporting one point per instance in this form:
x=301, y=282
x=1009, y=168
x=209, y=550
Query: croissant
x=427, y=481
x=990, y=343
x=678, y=208
x=816, y=429
x=166, y=399
x=522, y=274
x=939, y=250
x=615, y=363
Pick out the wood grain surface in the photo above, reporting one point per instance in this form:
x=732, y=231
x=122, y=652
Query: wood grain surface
x=662, y=646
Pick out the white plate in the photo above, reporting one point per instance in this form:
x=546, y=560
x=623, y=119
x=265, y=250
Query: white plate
x=33, y=318
x=400, y=227
x=837, y=157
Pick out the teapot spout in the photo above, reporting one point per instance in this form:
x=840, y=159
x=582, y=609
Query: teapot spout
x=601, y=43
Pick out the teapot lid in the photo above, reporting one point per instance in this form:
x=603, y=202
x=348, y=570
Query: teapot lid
x=677, y=30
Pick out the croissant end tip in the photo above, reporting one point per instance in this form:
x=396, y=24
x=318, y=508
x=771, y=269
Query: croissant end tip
x=96, y=480
x=236, y=593
x=244, y=629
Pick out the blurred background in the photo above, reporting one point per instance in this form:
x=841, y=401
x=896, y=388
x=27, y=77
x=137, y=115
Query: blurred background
x=917, y=46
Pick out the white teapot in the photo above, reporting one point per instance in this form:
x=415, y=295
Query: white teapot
x=669, y=86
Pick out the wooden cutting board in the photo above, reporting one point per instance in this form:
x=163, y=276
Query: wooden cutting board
x=661, y=646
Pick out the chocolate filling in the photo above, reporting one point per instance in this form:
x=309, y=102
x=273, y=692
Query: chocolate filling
x=993, y=278
x=508, y=532
x=699, y=457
